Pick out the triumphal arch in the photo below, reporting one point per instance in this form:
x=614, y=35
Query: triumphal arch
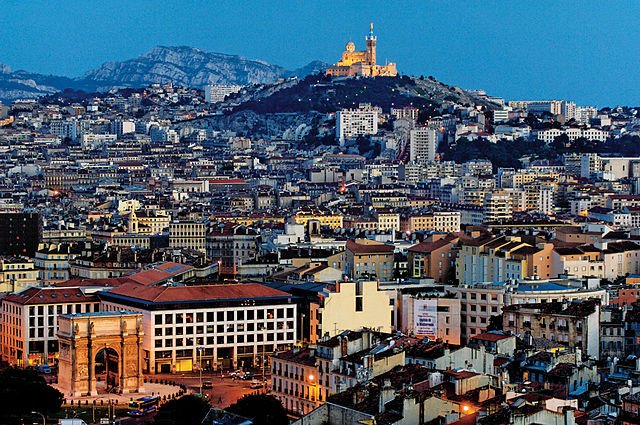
x=103, y=346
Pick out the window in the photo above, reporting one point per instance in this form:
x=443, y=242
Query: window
x=358, y=303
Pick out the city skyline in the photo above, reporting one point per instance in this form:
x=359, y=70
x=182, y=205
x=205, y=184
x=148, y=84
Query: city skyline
x=506, y=51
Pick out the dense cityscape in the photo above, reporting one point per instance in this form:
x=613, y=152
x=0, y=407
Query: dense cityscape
x=342, y=245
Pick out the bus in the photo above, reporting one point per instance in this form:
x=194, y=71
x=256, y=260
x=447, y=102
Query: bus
x=143, y=405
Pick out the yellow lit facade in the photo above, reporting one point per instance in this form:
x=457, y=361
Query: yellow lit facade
x=333, y=221
x=361, y=63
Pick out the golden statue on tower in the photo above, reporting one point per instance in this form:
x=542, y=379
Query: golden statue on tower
x=361, y=63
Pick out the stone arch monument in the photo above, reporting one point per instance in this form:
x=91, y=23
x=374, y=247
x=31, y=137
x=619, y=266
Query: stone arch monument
x=113, y=337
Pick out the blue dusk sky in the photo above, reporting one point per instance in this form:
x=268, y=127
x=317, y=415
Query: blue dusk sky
x=582, y=50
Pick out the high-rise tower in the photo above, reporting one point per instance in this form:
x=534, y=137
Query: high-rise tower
x=371, y=46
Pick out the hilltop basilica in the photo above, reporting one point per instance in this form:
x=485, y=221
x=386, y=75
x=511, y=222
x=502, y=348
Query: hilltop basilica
x=362, y=63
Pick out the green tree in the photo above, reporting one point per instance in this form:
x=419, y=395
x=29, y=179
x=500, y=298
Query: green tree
x=23, y=391
x=495, y=323
x=187, y=410
x=264, y=409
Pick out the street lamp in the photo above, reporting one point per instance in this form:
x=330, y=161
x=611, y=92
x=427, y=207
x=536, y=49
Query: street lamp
x=264, y=340
x=200, y=348
x=312, y=384
x=44, y=420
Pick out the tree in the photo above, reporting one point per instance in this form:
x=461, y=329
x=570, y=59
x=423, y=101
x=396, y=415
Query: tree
x=264, y=409
x=187, y=410
x=495, y=323
x=23, y=391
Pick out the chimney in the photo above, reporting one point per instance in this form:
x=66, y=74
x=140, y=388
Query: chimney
x=387, y=393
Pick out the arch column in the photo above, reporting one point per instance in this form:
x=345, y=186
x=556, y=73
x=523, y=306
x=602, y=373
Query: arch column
x=93, y=388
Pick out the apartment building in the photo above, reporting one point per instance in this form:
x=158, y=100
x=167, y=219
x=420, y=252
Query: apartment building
x=189, y=234
x=574, y=324
x=351, y=123
x=333, y=221
x=52, y=261
x=368, y=259
x=17, y=273
x=30, y=321
x=216, y=326
x=215, y=93
x=231, y=246
x=429, y=316
x=498, y=259
x=497, y=206
x=434, y=258
x=482, y=301
x=303, y=378
x=436, y=221
x=423, y=143
x=353, y=305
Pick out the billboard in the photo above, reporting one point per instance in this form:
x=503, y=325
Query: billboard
x=425, y=318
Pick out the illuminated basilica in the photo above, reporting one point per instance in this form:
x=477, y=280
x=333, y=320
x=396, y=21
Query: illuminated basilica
x=361, y=63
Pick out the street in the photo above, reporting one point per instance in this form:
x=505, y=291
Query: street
x=225, y=390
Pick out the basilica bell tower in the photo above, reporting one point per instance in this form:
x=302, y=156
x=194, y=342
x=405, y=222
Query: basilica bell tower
x=371, y=46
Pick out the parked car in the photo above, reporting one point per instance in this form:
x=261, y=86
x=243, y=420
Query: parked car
x=247, y=376
x=207, y=385
x=44, y=368
x=236, y=373
x=256, y=384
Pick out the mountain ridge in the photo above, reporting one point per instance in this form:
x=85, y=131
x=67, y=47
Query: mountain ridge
x=181, y=65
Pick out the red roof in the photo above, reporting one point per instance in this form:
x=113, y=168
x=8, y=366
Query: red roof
x=489, y=336
x=427, y=247
x=461, y=374
x=195, y=293
x=149, y=277
x=107, y=282
x=369, y=248
x=49, y=296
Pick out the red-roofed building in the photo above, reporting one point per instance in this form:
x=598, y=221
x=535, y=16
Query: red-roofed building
x=432, y=258
x=369, y=259
x=30, y=321
x=495, y=342
x=234, y=325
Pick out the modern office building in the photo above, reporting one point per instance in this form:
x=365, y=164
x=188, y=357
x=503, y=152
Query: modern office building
x=212, y=326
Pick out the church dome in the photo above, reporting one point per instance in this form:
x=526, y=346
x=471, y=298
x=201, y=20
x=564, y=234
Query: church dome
x=351, y=47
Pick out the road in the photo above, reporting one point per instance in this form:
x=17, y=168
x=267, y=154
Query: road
x=225, y=391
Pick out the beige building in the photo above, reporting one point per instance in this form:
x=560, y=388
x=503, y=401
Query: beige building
x=148, y=222
x=481, y=301
x=437, y=221
x=432, y=317
x=188, y=234
x=354, y=305
x=333, y=221
x=497, y=206
x=17, y=273
x=303, y=378
x=388, y=221
x=574, y=324
x=367, y=259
